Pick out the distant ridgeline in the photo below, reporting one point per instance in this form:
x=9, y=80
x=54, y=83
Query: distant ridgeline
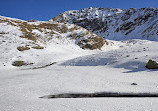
x=115, y=24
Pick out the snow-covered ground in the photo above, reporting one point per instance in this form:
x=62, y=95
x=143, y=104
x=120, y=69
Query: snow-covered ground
x=112, y=69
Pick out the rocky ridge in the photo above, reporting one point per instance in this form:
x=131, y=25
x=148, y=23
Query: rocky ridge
x=115, y=24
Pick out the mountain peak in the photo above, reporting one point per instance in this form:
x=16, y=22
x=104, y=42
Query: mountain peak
x=114, y=23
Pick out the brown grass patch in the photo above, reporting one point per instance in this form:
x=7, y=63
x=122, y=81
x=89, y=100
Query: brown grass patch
x=22, y=48
x=21, y=63
x=38, y=47
x=3, y=33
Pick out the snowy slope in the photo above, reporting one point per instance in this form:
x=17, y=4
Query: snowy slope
x=36, y=41
x=113, y=68
x=105, y=71
x=115, y=24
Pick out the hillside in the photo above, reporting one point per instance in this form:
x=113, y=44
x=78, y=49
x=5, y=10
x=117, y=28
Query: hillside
x=58, y=65
x=112, y=71
x=115, y=24
x=34, y=41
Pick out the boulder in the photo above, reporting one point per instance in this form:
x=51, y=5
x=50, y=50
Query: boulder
x=152, y=64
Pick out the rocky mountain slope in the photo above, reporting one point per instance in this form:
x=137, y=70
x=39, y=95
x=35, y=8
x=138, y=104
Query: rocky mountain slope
x=116, y=24
x=33, y=41
x=74, y=71
x=72, y=31
x=45, y=31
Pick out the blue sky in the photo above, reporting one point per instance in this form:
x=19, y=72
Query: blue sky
x=47, y=9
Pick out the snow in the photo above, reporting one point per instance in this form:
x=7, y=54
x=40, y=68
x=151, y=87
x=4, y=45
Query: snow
x=63, y=45
x=112, y=69
x=87, y=72
x=21, y=90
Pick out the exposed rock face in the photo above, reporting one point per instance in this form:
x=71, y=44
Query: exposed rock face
x=152, y=64
x=43, y=32
x=115, y=24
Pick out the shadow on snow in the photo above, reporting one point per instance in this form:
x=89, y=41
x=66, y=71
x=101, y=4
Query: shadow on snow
x=110, y=60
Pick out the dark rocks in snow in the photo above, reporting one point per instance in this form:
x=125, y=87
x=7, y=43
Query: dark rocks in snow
x=134, y=84
x=152, y=64
x=127, y=55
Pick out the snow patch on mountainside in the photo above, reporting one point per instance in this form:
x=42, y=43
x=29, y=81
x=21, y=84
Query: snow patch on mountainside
x=132, y=55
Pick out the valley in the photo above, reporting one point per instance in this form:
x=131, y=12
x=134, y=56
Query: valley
x=43, y=59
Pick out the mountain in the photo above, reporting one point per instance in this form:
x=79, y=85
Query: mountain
x=73, y=31
x=32, y=40
x=57, y=62
x=44, y=31
x=115, y=24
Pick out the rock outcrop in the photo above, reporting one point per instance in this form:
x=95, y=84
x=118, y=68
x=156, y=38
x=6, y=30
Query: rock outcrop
x=152, y=64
